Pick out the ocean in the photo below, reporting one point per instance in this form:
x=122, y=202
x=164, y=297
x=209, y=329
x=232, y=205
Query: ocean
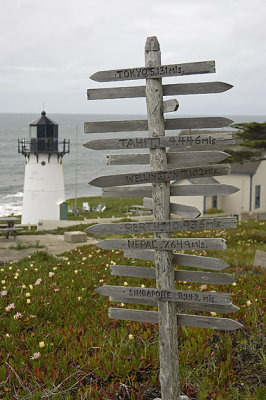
x=80, y=166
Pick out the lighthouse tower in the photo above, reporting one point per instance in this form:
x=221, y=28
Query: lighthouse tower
x=44, y=189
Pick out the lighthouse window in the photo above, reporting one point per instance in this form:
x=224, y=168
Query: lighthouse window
x=33, y=132
x=43, y=163
x=41, y=132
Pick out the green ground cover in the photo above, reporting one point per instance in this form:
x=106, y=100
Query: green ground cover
x=116, y=207
x=57, y=341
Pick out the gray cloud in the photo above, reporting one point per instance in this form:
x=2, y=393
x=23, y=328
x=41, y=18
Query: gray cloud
x=49, y=50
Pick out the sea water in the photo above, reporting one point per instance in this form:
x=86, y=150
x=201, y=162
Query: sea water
x=80, y=166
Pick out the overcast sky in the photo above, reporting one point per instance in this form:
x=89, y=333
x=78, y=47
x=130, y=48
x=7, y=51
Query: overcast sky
x=48, y=50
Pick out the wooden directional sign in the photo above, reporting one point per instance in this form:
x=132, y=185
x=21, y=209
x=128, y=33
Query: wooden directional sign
x=170, y=106
x=159, y=71
x=189, y=276
x=164, y=244
x=142, y=125
x=182, y=319
x=178, y=159
x=183, y=210
x=168, y=90
x=163, y=226
x=175, y=190
x=178, y=141
x=162, y=176
x=184, y=306
x=180, y=296
x=188, y=260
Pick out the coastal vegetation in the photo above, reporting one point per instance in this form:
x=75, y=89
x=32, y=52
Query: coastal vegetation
x=57, y=340
x=252, y=139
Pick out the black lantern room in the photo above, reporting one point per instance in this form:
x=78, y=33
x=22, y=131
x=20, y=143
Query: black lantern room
x=43, y=135
x=43, y=138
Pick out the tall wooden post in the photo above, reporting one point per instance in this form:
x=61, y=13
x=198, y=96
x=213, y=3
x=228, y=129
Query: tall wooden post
x=168, y=344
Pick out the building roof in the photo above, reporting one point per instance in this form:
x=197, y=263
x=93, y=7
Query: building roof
x=247, y=168
x=42, y=120
x=204, y=181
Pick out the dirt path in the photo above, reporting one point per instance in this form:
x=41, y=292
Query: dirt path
x=53, y=244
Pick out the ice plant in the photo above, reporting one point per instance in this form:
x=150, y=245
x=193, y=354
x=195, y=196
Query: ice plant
x=35, y=356
x=130, y=336
x=17, y=315
x=51, y=274
x=10, y=307
x=203, y=287
x=41, y=344
x=3, y=293
x=38, y=282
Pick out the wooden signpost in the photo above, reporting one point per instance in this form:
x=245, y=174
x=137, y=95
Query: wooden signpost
x=178, y=141
x=168, y=90
x=177, y=159
x=188, y=161
x=175, y=190
x=161, y=175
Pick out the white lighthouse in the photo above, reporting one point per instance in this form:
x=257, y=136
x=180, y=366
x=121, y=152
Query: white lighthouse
x=44, y=188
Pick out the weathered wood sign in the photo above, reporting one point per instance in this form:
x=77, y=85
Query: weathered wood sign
x=165, y=167
x=181, y=304
x=164, y=244
x=188, y=276
x=163, y=226
x=157, y=71
x=182, y=319
x=162, y=176
x=187, y=296
x=179, y=159
x=168, y=90
x=188, y=260
x=142, y=125
x=175, y=190
x=178, y=141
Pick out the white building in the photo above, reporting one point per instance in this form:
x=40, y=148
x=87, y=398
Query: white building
x=249, y=178
x=44, y=188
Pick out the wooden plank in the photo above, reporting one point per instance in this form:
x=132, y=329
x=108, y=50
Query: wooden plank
x=175, y=190
x=159, y=71
x=163, y=244
x=170, y=106
x=168, y=90
x=203, y=190
x=142, y=125
x=180, y=142
x=177, y=296
x=174, y=225
x=182, y=306
x=177, y=209
x=179, y=159
x=188, y=260
x=180, y=275
x=183, y=211
x=162, y=175
x=168, y=343
x=182, y=319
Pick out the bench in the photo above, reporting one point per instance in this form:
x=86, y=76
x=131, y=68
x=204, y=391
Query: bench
x=10, y=231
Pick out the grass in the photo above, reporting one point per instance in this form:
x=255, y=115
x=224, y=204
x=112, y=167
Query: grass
x=114, y=206
x=62, y=345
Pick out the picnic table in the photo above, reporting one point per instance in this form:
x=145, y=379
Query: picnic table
x=7, y=226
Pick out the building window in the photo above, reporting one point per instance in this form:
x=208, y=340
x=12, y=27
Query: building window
x=214, y=201
x=257, y=196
